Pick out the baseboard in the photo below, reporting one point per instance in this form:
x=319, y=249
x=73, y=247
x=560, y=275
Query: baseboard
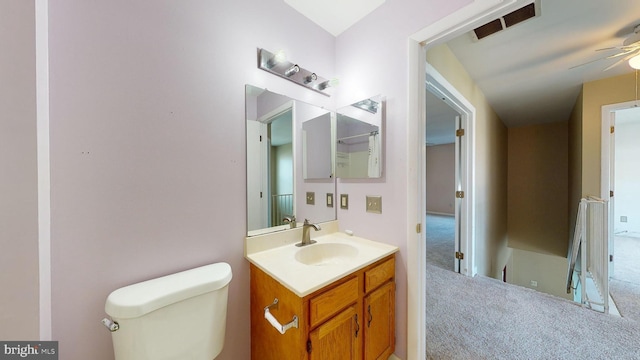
x=393, y=357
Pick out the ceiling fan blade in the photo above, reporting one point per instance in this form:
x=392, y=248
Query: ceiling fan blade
x=610, y=48
x=623, y=53
x=589, y=62
x=620, y=61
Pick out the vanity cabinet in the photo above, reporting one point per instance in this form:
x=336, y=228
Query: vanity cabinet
x=352, y=318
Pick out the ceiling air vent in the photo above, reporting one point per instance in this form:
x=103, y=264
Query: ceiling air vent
x=488, y=29
x=524, y=13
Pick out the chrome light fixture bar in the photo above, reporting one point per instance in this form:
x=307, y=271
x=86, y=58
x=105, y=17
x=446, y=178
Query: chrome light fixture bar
x=278, y=65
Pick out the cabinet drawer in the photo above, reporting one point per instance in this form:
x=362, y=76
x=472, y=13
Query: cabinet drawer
x=379, y=275
x=331, y=302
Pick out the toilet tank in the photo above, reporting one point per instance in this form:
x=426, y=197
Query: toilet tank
x=178, y=316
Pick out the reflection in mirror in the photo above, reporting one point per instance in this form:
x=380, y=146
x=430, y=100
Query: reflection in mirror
x=275, y=180
x=359, y=140
x=317, y=157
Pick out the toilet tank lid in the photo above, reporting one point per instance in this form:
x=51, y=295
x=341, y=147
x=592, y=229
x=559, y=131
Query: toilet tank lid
x=139, y=299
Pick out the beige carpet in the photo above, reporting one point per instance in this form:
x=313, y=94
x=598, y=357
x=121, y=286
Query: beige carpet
x=440, y=240
x=482, y=318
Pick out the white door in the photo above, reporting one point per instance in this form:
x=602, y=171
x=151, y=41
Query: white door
x=459, y=195
x=612, y=173
x=257, y=189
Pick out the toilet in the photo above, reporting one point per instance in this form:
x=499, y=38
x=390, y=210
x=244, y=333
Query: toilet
x=178, y=316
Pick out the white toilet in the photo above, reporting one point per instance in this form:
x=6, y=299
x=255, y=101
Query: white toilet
x=179, y=316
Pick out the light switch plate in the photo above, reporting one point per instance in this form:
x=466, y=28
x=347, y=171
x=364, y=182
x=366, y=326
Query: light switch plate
x=374, y=204
x=344, y=201
x=311, y=198
x=329, y=200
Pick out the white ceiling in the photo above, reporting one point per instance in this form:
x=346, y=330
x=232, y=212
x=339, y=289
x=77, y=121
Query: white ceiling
x=525, y=71
x=335, y=16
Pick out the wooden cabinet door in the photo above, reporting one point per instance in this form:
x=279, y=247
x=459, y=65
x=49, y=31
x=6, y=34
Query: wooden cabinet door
x=336, y=339
x=378, y=321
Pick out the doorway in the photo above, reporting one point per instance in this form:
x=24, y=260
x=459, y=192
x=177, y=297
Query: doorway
x=462, y=20
x=441, y=221
x=459, y=132
x=624, y=241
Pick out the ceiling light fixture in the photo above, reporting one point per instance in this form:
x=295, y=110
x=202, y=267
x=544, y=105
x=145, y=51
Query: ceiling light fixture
x=634, y=62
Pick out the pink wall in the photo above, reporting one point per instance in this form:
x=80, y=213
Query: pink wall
x=372, y=58
x=441, y=178
x=19, y=306
x=148, y=146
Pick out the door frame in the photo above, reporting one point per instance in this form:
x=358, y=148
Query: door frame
x=460, y=21
x=607, y=167
x=464, y=209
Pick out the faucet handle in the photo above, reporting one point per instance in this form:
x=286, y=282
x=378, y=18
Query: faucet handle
x=306, y=222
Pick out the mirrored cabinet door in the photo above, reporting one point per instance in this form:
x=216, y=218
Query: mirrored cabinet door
x=359, y=143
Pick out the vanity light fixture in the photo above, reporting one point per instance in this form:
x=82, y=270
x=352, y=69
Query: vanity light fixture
x=278, y=65
x=367, y=105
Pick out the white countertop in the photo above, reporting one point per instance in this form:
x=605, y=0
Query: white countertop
x=281, y=264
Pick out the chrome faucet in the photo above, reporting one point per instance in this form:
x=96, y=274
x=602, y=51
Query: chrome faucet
x=291, y=220
x=306, y=238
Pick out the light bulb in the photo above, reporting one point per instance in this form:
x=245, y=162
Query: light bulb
x=292, y=70
x=634, y=62
x=310, y=78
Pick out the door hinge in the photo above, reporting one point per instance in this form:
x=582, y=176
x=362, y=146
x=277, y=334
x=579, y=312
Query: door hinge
x=610, y=258
x=610, y=193
x=460, y=132
x=459, y=194
x=612, y=129
x=309, y=346
x=260, y=138
x=418, y=228
x=260, y=194
x=459, y=255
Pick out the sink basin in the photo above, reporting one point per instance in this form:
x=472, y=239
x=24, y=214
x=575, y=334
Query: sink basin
x=326, y=254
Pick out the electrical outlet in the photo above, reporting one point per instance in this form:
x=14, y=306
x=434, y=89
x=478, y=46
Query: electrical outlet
x=374, y=204
x=623, y=219
x=311, y=198
x=534, y=283
x=329, y=200
x=344, y=201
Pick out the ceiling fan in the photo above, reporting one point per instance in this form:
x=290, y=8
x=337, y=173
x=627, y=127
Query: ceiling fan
x=628, y=51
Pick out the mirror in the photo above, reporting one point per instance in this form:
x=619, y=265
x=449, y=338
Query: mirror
x=359, y=139
x=280, y=132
